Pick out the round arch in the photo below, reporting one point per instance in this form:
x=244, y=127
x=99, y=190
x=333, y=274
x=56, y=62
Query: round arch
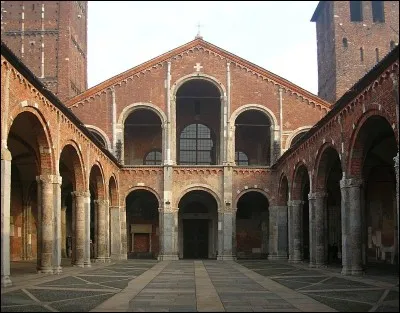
x=240, y=194
x=100, y=182
x=294, y=134
x=320, y=167
x=78, y=163
x=144, y=106
x=257, y=107
x=283, y=196
x=45, y=141
x=113, y=190
x=101, y=133
x=297, y=180
x=201, y=187
x=197, y=76
x=145, y=188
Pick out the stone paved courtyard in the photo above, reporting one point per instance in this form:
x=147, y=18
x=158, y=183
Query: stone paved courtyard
x=199, y=286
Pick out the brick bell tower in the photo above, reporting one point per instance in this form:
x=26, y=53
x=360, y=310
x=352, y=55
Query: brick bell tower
x=50, y=37
x=352, y=36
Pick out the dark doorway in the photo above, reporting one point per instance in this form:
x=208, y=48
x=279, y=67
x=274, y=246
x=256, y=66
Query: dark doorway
x=195, y=239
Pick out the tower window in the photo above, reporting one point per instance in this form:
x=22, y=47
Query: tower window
x=378, y=15
x=377, y=54
x=362, y=54
x=345, y=43
x=356, y=11
x=392, y=44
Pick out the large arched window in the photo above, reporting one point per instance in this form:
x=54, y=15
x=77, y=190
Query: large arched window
x=153, y=158
x=196, y=145
x=241, y=158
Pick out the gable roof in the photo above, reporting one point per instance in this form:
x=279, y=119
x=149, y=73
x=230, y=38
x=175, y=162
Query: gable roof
x=198, y=42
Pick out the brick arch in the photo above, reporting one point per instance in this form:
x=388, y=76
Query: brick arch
x=96, y=179
x=142, y=106
x=44, y=139
x=294, y=134
x=298, y=181
x=198, y=76
x=146, y=188
x=358, y=138
x=101, y=133
x=201, y=187
x=113, y=190
x=283, y=190
x=322, y=166
x=78, y=169
x=254, y=107
x=263, y=192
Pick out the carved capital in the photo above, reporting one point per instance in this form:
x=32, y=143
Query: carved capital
x=317, y=195
x=80, y=194
x=50, y=179
x=350, y=182
x=295, y=203
x=6, y=154
x=396, y=160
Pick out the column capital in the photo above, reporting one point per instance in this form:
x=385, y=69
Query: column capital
x=6, y=154
x=101, y=201
x=51, y=179
x=396, y=160
x=278, y=207
x=115, y=207
x=168, y=209
x=317, y=195
x=350, y=182
x=295, y=202
x=80, y=194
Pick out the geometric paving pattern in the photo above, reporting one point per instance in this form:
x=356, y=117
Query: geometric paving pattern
x=340, y=293
x=79, y=293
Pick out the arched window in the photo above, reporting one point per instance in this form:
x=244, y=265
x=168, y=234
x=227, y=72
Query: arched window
x=196, y=145
x=345, y=43
x=153, y=158
x=241, y=158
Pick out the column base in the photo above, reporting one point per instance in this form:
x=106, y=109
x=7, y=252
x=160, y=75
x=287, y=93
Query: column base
x=226, y=257
x=107, y=259
x=312, y=265
x=45, y=270
x=296, y=261
x=346, y=271
x=57, y=270
x=100, y=260
x=357, y=271
x=277, y=257
x=78, y=264
x=87, y=264
x=168, y=257
x=322, y=265
x=6, y=281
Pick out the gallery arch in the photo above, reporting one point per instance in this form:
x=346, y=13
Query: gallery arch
x=198, y=123
x=142, y=135
x=142, y=224
x=256, y=125
x=252, y=224
x=197, y=225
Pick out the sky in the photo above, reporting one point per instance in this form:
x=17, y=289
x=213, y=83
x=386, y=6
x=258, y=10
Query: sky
x=275, y=35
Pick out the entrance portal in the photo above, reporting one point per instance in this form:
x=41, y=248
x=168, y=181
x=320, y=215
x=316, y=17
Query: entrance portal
x=198, y=226
x=195, y=239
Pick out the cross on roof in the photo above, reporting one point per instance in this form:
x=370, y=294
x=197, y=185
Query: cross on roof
x=198, y=31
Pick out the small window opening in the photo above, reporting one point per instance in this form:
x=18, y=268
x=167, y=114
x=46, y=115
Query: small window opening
x=392, y=44
x=377, y=54
x=356, y=11
x=362, y=54
x=378, y=14
x=345, y=43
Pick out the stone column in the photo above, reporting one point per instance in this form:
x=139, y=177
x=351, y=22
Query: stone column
x=297, y=206
x=45, y=222
x=169, y=240
x=27, y=231
x=64, y=231
x=5, y=216
x=87, y=261
x=320, y=229
x=100, y=207
x=107, y=230
x=115, y=233
x=312, y=227
x=351, y=226
x=396, y=168
x=279, y=233
x=79, y=198
x=234, y=242
x=220, y=233
x=57, y=180
x=290, y=229
x=124, y=239
x=226, y=225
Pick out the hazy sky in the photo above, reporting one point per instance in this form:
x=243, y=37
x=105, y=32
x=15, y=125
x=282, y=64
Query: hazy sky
x=277, y=36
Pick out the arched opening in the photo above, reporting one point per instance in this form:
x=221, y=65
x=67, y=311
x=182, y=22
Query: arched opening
x=70, y=169
x=297, y=137
x=25, y=140
x=197, y=218
x=254, y=125
x=198, y=123
x=375, y=147
x=142, y=134
x=99, y=138
x=301, y=221
x=328, y=180
x=114, y=238
x=98, y=212
x=252, y=223
x=142, y=224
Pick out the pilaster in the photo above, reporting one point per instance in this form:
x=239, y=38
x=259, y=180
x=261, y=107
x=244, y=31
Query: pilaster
x=297, y=206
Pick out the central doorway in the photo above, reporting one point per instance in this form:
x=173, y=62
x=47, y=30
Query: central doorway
x=198, y=226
